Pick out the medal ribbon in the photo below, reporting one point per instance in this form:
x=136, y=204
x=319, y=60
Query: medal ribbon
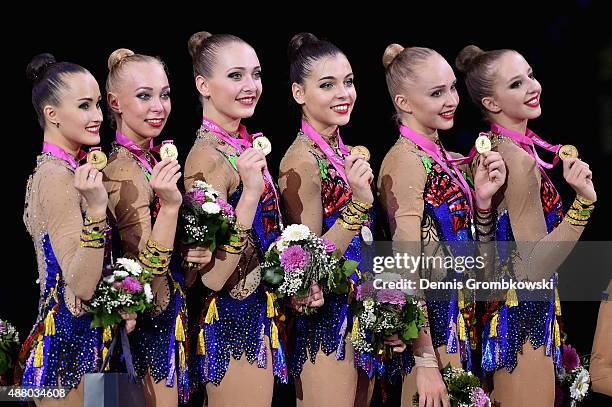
x=60, y=153
x=332, y=156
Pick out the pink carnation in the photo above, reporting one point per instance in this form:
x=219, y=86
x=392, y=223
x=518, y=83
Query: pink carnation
x=196, y=196
x=293, y=258
x=117, y=285
x=391, y=296
x=570, y=358
x=330, y=246
x=131, y=285
x=2, y=327
x=365, y=290
x=225, y=207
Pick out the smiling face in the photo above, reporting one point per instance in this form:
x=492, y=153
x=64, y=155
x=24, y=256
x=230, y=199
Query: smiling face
x=328, y=93
x=78, y=113
x=141, y=100
x=234, y=88
x=516, y=95
x=431, y=97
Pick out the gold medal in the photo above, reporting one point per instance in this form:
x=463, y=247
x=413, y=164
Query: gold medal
x=262, y=143
x=362, y=151
x=97, y=158
x=168, y=150
x=568, y=151
x=483, y=144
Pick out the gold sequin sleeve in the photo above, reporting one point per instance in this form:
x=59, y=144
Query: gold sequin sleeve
x=300, y=186
x=60, y=206
x=541, y=253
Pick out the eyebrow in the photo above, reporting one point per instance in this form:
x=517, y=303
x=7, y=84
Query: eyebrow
x=242, y=68
x=148, y=88
x=442, y=86
x=333, y=77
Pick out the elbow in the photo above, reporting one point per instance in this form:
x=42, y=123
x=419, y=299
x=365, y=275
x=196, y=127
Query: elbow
x=82, y=291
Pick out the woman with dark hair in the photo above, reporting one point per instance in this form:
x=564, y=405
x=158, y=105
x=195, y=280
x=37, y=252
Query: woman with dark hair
x=429, y=198
x=502, y=84
x=327, y=189
x=238, y=350
x=143, y=202
x=65, y=213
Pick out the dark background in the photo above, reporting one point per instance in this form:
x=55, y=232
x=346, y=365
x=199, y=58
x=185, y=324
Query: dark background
x=569, y=48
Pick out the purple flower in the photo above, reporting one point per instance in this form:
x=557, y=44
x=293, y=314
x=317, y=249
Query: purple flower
x=330, y=246
x=225, y=207
x=293, y=258
x=131, y=285
x=2, y=327
x=480, y=398
x=391, y=297
x=197, y=196
x=117, y=285
x=570, y=358
x=365, y=290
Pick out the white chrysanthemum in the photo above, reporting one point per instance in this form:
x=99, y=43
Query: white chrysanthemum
x=130, y=265
x=294, y=233
x=282, y=244
x=580, y=387
x=211, y=207
x=110, y=279
x=212, y=195
x=148, y=293
x=120, y=273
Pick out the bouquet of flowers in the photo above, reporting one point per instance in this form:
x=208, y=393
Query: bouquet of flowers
x=463, y=389
x=204, y=218
x=299, y=258
x=124, y=288
x=382, y=313
x=573, y=379
x=9, y=346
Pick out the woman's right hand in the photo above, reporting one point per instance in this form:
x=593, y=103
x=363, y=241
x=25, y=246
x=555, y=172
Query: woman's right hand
x=88, y=181
x=431, y=387
x=164, y=177
x=314, y=299
x=579, y=177
x=360, y=177
x=130, y=320
x=250, y=166
x=199, y=256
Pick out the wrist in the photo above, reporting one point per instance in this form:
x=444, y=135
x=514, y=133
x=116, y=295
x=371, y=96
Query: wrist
x=96, y=212
x=483, y=204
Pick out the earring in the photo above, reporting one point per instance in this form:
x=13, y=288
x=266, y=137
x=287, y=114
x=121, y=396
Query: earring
x=57, y=125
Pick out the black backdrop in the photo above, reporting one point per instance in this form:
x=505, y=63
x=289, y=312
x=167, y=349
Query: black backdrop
x=570, y=50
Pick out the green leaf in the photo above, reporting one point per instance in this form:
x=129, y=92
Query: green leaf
x=273, y=275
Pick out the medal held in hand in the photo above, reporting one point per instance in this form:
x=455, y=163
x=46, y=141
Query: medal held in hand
x=168, y=150
x=483, y=144
x=362, y=151
x=568, y=151
x=262, y=143
x=97, y=158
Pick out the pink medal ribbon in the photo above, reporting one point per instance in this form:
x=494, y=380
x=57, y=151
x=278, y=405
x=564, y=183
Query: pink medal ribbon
x=136, y=150
x=332, y=156
x=60, y=153
x=527, y=142
x=241, y=144
x=433, y=150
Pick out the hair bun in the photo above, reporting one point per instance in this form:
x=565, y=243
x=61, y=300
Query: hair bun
x=195, y=41
x=117, y=56
x=391, y=52
x=298, y=41
x=38, y=66
x=466, y=57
